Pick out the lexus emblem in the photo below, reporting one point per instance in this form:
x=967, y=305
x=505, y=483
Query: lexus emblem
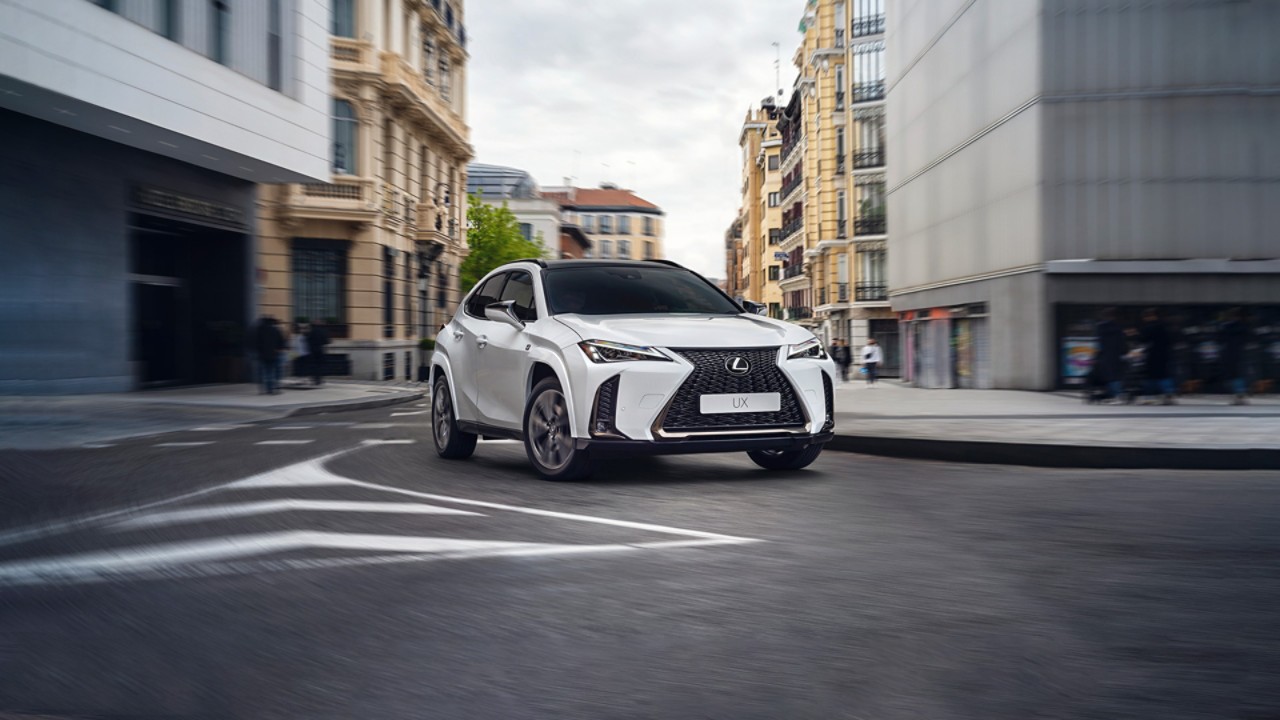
x=737, y=365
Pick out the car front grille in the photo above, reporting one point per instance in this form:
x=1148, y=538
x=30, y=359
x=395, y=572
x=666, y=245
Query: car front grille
x=709, y=377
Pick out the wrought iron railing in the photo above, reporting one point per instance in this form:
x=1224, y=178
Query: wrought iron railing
x=869, y=226
x=791, y=228
x=870, y=25
x=792, y=271
x=868, y=159
x=866, y=92
x=791, y=184
x=799, y=313
x=872, y=292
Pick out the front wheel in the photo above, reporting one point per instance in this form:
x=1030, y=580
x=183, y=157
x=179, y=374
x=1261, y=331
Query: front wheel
x=451, y=442
x=548, y=439
x=785, y=459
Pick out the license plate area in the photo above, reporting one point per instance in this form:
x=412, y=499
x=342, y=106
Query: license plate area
x=739, y=403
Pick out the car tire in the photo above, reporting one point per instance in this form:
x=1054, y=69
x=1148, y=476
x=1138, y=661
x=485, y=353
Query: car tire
x=785, y=459
x=451, y=441
x=548, y=437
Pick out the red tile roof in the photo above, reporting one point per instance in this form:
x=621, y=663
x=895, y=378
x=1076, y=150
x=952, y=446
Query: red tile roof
x=586, y=198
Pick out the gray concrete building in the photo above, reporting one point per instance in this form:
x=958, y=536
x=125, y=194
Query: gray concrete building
x=1053, y=157
x=135, y=133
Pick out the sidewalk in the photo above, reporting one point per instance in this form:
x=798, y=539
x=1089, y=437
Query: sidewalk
x=1056, y=429
x=45, y=423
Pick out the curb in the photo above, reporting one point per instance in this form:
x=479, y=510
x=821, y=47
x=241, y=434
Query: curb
x=1060, y=456
x=355, y=405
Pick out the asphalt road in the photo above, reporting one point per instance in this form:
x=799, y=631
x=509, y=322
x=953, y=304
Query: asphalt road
x=343, y=571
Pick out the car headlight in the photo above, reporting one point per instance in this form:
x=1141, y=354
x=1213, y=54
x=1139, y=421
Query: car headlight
x=603, y=351
x=810, y=349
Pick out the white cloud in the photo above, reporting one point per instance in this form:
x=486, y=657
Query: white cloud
x=655, y=89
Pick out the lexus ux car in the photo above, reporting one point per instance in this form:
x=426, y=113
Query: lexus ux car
x=583, y=359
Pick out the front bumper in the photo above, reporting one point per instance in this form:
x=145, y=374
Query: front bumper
x=689, y=446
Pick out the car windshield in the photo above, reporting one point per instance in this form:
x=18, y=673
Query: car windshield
x=632, y=290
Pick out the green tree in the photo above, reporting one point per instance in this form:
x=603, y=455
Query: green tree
x=493, y=234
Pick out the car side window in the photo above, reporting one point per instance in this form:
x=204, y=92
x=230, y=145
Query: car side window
x=520, y=289
x=485, y=295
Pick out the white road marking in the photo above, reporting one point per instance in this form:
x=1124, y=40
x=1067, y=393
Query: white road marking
x=219, y=428
x=284, y=442
x=401, y=441
x=415, y=412
x=290, y=427
x=372, y=426
x=266, y=507
x=183, y=444
x=97, y=446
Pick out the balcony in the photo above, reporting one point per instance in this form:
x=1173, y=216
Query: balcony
x=799, y=313
x=842, y=292
x=868, y=25
x=791, y=184
x=792, y=271
x=346, y=198
x=868, y=159
x=867, y=92
x=869, y=226
x=822, y=297
x=414, y=91
x=872, y=292
x=351, y=55
x=842, y=229
x=791, y=228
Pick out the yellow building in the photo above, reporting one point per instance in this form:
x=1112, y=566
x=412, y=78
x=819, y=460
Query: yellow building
x=760, y=268
x=622, y=225
x=373, y=255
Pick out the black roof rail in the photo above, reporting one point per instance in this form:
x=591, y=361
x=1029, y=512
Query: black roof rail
x=537, y=261
x=672, y=263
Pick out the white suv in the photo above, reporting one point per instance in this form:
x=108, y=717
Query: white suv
x=583, y=359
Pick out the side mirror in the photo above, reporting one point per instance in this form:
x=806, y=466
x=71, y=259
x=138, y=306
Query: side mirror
x=754, y=308
x=504, y=312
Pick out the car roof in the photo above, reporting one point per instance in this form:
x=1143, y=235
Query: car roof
x=596, y=263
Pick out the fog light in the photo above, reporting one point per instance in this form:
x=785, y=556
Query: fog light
x=605, y=411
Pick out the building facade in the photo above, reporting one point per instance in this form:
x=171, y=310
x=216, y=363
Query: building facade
x=539, y=218
x=373, y=255
x=135, y=135
x=1052, y=157
x=621, y=224
x=760, y=268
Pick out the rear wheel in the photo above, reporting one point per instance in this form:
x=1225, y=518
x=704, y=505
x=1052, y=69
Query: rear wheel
x=451, y=442
x=548, y=438
x=785, y=459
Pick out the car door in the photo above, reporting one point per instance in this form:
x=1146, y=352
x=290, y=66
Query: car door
x=504, y=361
x=470, y=331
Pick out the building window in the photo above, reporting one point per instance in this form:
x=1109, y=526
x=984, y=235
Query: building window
x=428, y=55
x=842, y=215
x=526, y=230
x=624, y=225
x=868, y=71
x=624, y=248
x=775, y=271
x=344, y=18
x=448, y=15
x=868, y=17
x=219, y=29
x=648, y=226
x=606, y=224
x=775, y=199
x=408, y=294
x=111, y=5
x=388, y=294
x=648, y=250
x=773, y=162
x=445, y=78
x=389, y=366
x=606, y=249
x=274, y=60
x=171, y=19
x=344, y=138
x=840, y=88
x=588, y=223
x=319, y=281
x=775, y=236
x=388, y=153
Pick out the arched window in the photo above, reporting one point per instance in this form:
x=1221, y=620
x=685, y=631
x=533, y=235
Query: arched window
x=344, y=138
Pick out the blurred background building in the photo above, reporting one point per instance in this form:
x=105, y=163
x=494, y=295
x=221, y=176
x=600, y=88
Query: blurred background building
x=756, y=267
x=622, y=224
x=135, y=133
x=1051, y=157
x=539, y=217
x=373, y=254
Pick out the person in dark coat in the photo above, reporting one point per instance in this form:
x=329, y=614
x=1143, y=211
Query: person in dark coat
x=317, y=339
x=269, y=343
x=1109, y=365
x=1233, y=337
x=1159, y=355
x=843, y=357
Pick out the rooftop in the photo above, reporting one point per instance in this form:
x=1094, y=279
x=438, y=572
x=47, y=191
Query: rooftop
x=608, y=197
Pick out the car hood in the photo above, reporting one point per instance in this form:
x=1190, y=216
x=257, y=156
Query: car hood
x=687, y=331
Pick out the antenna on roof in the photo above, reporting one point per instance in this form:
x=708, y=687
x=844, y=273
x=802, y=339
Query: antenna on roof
x=777, y=67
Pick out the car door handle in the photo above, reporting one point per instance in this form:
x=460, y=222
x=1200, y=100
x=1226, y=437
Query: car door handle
x=481, y=340
x=457, y=334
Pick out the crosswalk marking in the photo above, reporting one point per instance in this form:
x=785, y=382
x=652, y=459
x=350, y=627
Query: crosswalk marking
x=284, y=442
x=266, y=507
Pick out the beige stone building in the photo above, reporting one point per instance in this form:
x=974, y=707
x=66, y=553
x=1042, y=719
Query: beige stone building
x=373, y=255
x=760, y=267
x=621, y=224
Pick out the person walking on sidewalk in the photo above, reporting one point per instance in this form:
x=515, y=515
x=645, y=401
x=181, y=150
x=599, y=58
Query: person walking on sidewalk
x=1159, y=356
x=843, y=357
x=1109, y=363
x=317, y=339
x=269, y=342
x=872, y=356
x=1233, y=337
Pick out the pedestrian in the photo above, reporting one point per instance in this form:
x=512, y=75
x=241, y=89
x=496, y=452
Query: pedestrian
x=1109, y=363
x=297, y=350
x=872, y=356
x=1159, y=356
x=317, y=339
x=1233, y=337
x=843, y=357
x=269, y=343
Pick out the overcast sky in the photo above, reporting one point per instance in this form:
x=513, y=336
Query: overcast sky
x=655, y=89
